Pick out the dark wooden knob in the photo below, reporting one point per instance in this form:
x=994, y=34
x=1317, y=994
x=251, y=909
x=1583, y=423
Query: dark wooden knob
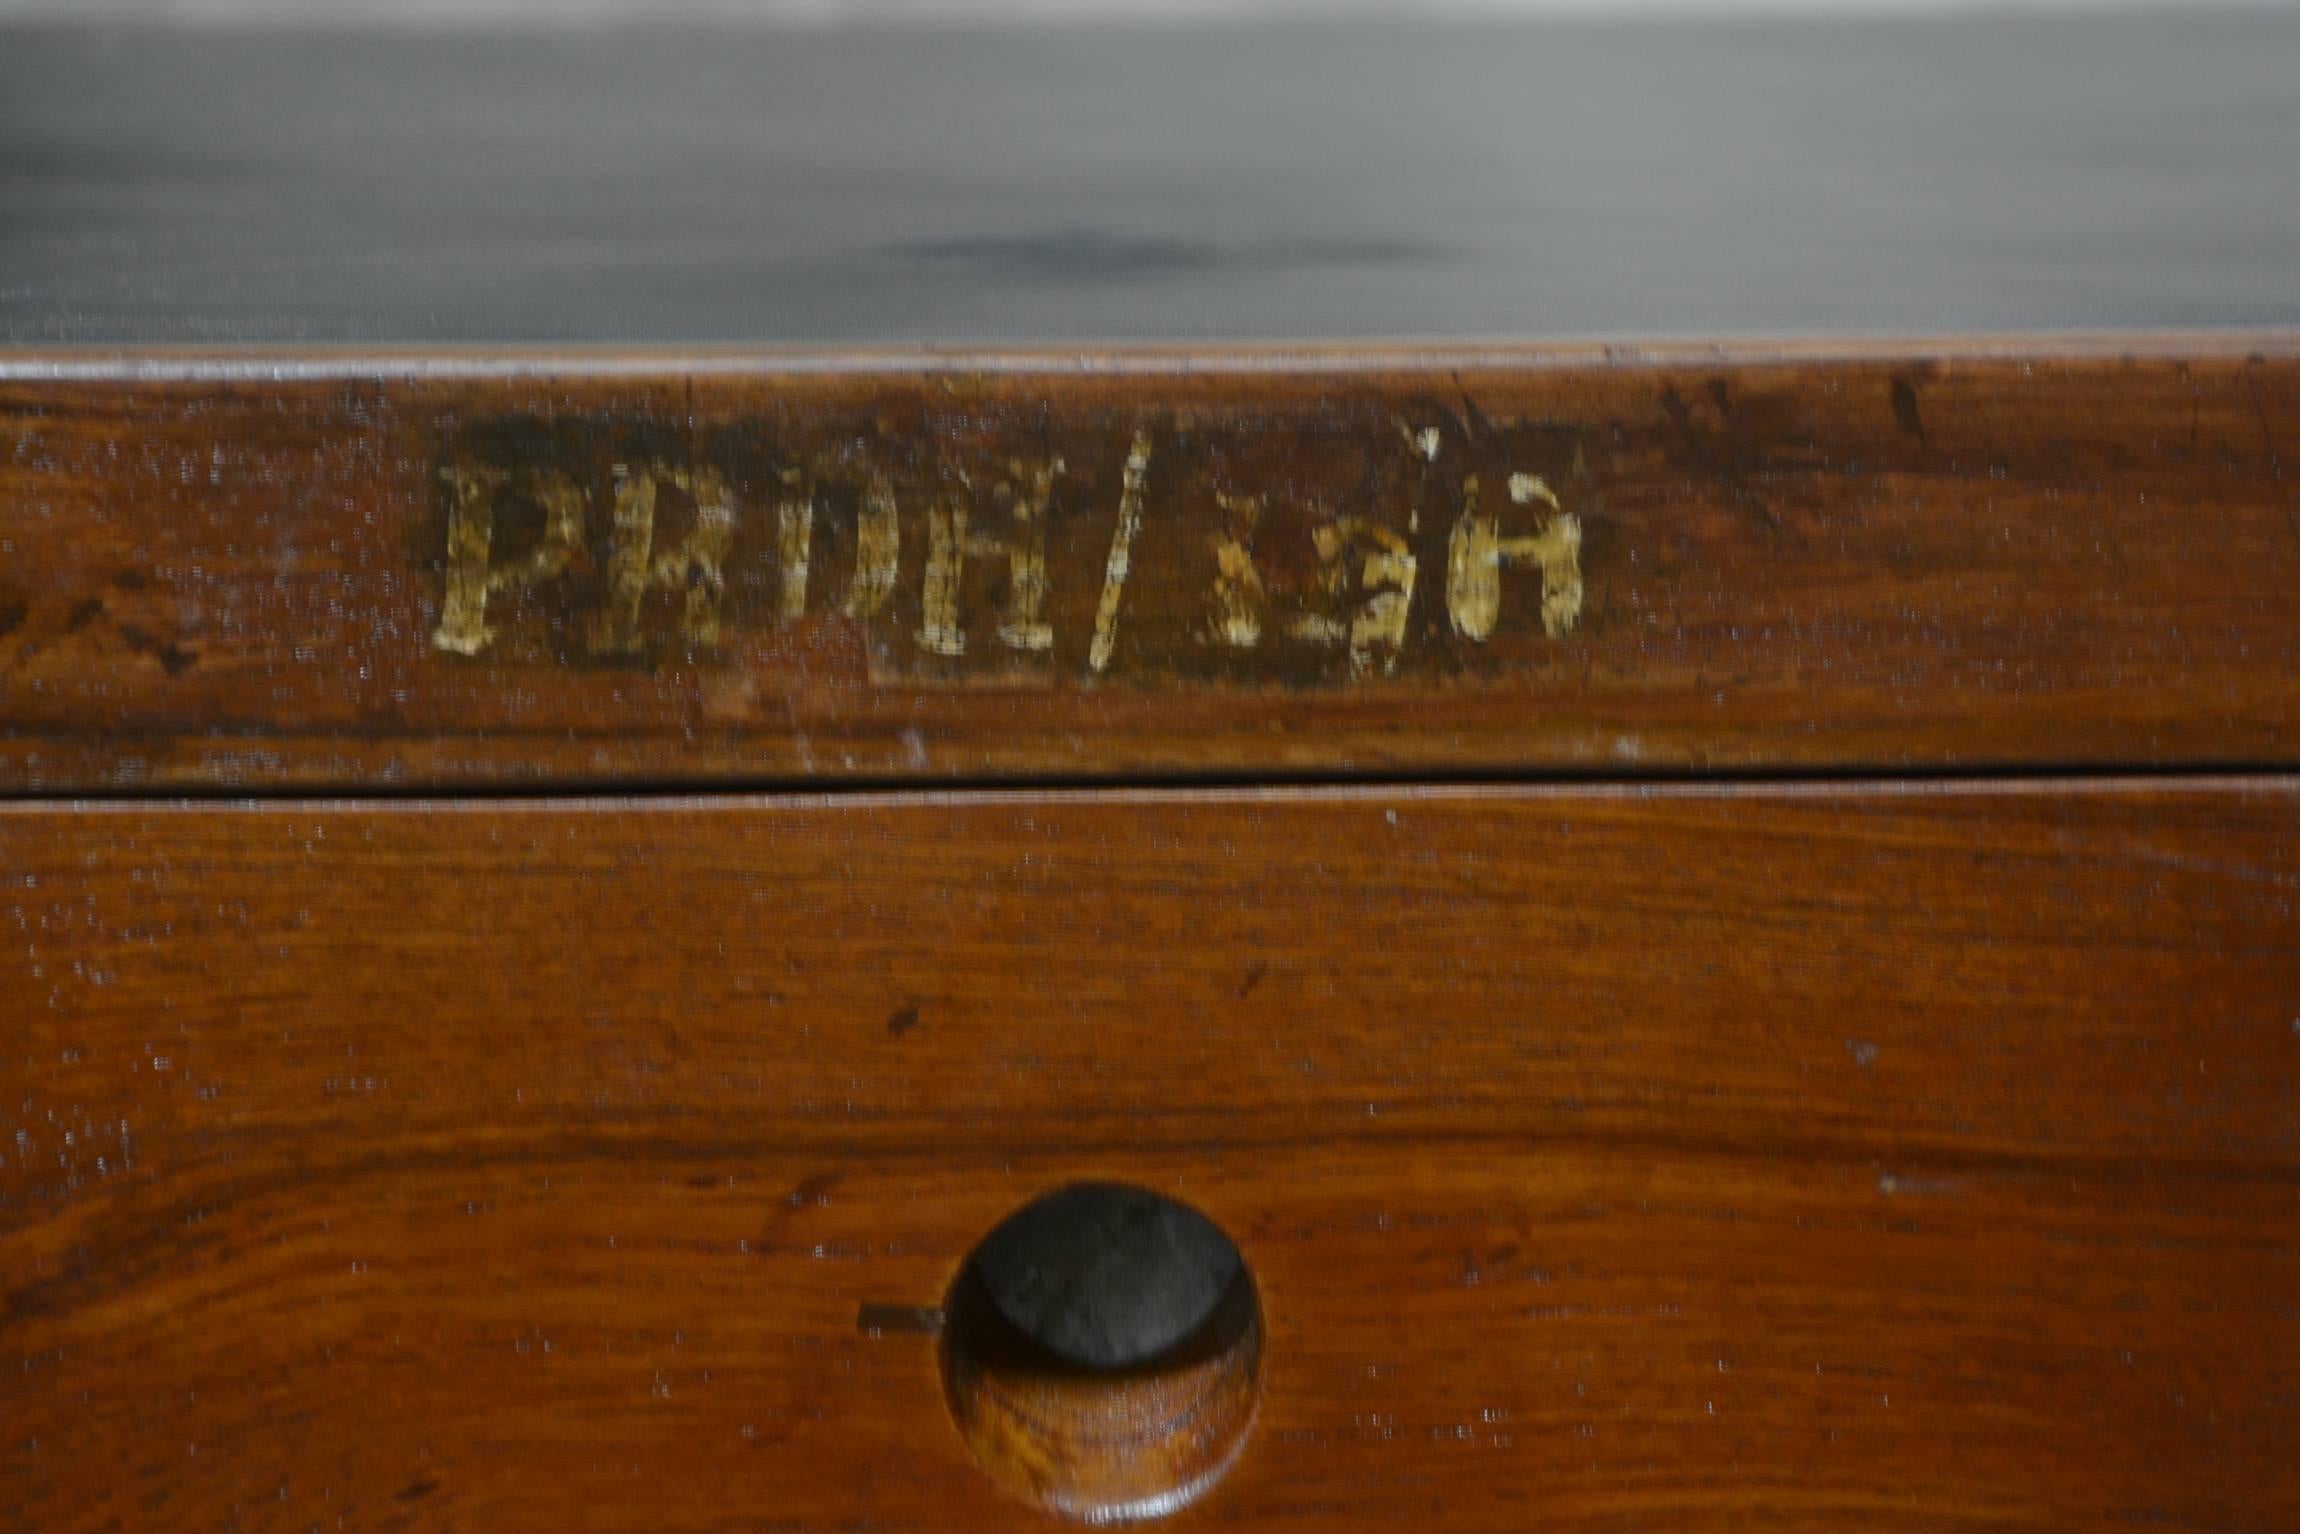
x=1107, y=1277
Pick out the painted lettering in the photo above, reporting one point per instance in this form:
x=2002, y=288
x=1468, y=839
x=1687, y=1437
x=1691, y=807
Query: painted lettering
x=1279, y=549
x=473, y=575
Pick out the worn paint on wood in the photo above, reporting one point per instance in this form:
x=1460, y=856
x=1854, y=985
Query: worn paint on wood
x=701, y=573
x=949, y=520
x=1910, y=1158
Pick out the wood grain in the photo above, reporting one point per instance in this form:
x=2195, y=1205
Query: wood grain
x=2046, y=554
x=1785, y=1158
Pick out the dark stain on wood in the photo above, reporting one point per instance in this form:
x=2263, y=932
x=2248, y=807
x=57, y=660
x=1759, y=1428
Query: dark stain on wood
x=173, y=658
x=1905, y=408
x=877, y=1319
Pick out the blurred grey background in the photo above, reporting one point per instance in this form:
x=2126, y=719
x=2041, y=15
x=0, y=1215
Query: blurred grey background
x=531, y=12
x=1492, y=170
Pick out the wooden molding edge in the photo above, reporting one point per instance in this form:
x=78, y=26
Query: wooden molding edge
x=355, y=570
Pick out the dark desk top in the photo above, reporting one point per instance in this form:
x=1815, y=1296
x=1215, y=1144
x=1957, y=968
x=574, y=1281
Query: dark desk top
x=892, y=187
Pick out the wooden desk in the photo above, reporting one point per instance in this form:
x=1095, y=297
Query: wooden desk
x=1713, y=920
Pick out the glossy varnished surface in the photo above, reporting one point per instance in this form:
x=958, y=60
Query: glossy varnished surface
x=657, y=184
x=716, y=570
x=1781, y=1158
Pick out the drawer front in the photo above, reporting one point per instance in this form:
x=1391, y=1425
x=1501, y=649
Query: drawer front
x=1813, y=1157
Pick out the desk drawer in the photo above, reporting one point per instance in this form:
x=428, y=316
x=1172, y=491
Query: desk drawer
x=1809, y=1157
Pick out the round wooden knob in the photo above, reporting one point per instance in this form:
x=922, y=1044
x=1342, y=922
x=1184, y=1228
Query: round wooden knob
x=1103, y=1353
x=1105, y=1276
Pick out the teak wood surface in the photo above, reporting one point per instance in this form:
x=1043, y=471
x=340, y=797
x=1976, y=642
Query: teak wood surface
x=346, y=573
x=1911, y=1157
